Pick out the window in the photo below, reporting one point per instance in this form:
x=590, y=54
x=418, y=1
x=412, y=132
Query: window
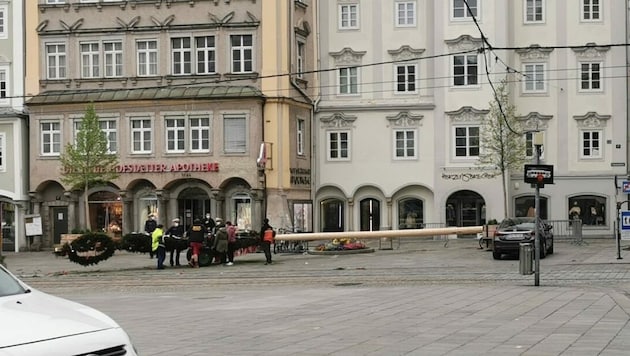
x=526, y=206
x=467, y=141
x=242, y=49
x=302, y=215
x=200, y=134
x=113, y=54
x=147, y=57
x=348, y=80
x=406, y=78
x=410, y=214
x=234, y=134
x=348, y=16
x=206, y=55
x=55, y=1
x=181, y=56
x=175, y=134
x=300, y=136
x=591, y=144
x=534, y=11
x=338, y=145
x=3, y=150
x=109, y=129
x=460, y=11
x=56, y=60
x=534, y=78
x=3, y=84
x=591, y=10
x=590, y=76
x=404, y=144
x=4, y=29
x=591, y=209
x=89, y=60
x=465, y=70
x=141, y=135
x=50, y=138
x=300, y=59
x=405, y=13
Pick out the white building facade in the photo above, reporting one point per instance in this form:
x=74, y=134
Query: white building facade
x=405, y=85
x=13, y=128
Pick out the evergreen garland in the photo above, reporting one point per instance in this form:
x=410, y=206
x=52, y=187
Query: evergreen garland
x=90, y=249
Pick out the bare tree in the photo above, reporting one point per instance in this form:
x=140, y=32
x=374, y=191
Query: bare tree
x=88, y=161
x=502, y=142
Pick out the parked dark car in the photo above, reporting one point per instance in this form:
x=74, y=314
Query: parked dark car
x=512, y=231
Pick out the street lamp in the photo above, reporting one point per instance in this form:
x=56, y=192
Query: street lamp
x=538, y=142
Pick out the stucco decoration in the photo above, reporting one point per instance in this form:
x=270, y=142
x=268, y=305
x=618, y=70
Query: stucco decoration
x=591, y=120
x=42, y=26
x=405, y=119
x=303, y=28
x=164, y=23
x=338, y=120
x=534, y=121
x=405, y=53
x=73, y=27
x=534, y=53
x=227, y=18
x=463, y=43
x=590, y=51
x=128, y=25
x=347, y=56
x=467, y=114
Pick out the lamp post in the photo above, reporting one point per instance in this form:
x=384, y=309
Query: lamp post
x=538, y=141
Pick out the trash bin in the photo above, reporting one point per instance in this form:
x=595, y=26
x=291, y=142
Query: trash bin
x=526, y=258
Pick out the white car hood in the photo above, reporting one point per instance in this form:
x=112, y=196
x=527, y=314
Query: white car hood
x=36, y=316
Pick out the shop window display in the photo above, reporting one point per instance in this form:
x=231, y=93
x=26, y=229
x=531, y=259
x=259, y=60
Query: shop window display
x=410, y=214
x=588, y=208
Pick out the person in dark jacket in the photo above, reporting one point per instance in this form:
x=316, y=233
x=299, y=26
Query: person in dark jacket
x=265, y=244
x=209, y=223
x=220, y=242
x=196, y=234
x=149, y=226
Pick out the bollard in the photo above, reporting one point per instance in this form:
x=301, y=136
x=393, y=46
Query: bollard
x=526, y=257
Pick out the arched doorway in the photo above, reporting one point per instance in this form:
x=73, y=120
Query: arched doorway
x=370, y=214
x=332, y=215
x=192, y=203
x=106, y=212
x=465, y=208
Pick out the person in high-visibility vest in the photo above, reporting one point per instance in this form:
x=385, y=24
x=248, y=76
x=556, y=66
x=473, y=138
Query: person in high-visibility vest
x=157, y=245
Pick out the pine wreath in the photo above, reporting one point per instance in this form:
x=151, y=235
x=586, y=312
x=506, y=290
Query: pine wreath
x=90, y=249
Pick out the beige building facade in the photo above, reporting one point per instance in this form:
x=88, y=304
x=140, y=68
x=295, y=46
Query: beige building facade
x=180, y=91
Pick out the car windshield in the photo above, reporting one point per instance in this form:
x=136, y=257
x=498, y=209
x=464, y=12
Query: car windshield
x=518, y=223
x=9, y=285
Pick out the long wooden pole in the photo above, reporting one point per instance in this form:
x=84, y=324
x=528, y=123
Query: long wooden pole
x=380, y=234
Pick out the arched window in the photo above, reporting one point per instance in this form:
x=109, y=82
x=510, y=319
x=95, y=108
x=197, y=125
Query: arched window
x=525, y=206
x=410, y=213
x=591, y=209
x=332, y=215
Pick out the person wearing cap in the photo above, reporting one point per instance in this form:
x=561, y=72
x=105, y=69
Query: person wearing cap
x=149, y=226
x=176, y=230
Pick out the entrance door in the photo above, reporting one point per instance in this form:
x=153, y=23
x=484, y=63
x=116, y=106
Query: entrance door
x=60, y=222
x=465, y=208
x=193, y=203
x=370, y=215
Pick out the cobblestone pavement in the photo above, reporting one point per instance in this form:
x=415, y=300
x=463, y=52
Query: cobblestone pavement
x=421, y=298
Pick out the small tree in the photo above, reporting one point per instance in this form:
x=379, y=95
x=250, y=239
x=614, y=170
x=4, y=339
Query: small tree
x=502, y=143
x=88, y=162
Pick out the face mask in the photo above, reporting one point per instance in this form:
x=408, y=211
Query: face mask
x=208, y=216
x=176, y=224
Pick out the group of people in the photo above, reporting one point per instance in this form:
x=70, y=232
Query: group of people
x=223, y=239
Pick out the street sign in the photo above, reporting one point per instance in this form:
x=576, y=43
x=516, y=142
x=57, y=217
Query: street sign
x=624, y=225
x=626, y=187
x=538, y=174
